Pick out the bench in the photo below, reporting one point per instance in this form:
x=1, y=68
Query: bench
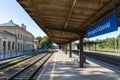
x=76, y=60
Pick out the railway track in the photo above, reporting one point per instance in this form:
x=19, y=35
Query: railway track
x=13, y=62
x=9, y=70
x=12, y=59
x=29, y=72
x=109, y=61
x=105, y=64
x=115, y=60
x=2, y=62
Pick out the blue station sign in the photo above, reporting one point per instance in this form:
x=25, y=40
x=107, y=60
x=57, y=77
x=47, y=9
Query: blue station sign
x=107, y=25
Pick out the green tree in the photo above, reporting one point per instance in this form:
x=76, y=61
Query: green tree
x=39, y=38
x=46, y=41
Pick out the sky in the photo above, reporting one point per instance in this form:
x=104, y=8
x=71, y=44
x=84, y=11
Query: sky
x=11, y=10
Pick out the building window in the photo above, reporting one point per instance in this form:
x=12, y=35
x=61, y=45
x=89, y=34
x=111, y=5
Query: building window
x=9, y=45
x=12, y=45
x=21, y=46
x=21, y=36
x=18, y=46
x=18, y=35
x=4, y=46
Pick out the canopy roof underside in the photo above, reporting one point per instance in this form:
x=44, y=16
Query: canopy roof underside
x=63, y=20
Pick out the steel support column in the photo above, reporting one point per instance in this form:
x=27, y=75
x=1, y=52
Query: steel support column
x=81, y=58
x=70, y=50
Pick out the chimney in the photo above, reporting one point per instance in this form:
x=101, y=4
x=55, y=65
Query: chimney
x=23, y=26
x=10, y=21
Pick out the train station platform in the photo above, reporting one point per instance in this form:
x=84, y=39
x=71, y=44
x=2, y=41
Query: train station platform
x=61, y=67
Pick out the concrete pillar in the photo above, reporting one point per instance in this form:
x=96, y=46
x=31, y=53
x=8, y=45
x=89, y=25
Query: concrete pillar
x=81, y=58
x=70, y=50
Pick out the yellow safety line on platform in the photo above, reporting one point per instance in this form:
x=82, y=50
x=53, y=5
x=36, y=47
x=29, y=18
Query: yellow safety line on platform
x=53, y=68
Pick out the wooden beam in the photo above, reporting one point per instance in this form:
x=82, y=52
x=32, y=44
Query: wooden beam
x=66, y=48
x=57, y=42
x=102, y=11
x=64, y=30
x=66, y=23
x=81, y=57
x=70, y=54
x=60, y=39
x=52, y=13
x=53, y=17
x=63, y=38
x=95, y=16
x=59, y=46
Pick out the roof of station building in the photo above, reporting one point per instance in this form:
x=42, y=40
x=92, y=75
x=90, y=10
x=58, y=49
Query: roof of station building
x=10, y=23
x=63, y=20
x=6, y=32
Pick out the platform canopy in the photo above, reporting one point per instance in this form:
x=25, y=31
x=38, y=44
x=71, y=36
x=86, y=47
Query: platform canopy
x=65, y=20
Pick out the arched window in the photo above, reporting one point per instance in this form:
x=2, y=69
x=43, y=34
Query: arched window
x=21, y=36
x=4, y=46
x=8, y=45
x=18, y=46
x=21, y=46
x=18, y=35
x=13, y=45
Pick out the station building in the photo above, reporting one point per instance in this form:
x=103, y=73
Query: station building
x=36, y=43
x=14, y=38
